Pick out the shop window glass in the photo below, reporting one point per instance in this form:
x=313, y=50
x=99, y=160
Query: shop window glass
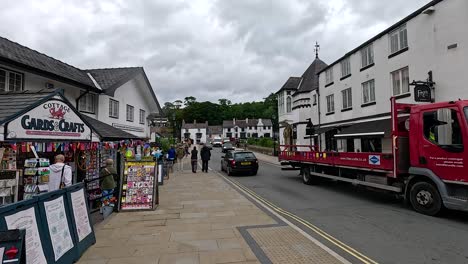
x=371, y=144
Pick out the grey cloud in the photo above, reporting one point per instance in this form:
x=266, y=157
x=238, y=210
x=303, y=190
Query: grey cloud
x=210, y=49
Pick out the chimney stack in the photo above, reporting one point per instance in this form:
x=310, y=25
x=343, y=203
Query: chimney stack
x=195, y=121
x=234, y=121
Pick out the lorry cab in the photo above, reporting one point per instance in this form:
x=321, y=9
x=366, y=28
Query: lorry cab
x=438, y=138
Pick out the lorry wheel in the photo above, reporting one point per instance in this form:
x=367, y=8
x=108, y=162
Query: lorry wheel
x=425, y=198
x=307, y=178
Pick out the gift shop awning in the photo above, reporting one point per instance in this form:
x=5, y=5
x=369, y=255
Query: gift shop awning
x=107, y=132
x=41, y=116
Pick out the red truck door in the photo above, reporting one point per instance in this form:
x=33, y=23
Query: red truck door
x=441, y=146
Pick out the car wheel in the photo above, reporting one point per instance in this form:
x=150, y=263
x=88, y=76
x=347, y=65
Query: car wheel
x=425, y=198
x=254, y=172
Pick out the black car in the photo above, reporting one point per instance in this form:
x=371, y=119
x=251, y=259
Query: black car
x=227, y=147
x=239, y=161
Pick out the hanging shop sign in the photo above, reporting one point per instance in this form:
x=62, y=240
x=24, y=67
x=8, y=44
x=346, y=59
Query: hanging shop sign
x=53, y=119
x=422, y=93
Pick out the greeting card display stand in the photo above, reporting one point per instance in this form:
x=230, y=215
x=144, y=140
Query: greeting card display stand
x=139, y=188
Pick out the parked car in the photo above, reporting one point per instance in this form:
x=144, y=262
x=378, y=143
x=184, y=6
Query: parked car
x=239, y=161
x=227, y=146
x=217, y=143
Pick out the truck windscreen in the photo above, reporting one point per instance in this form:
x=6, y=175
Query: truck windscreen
x=466, y=113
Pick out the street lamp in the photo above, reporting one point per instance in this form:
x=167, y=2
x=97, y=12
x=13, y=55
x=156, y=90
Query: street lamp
x=275, y=153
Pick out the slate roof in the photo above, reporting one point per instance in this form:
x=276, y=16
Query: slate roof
x=106, y=131
x=17, y=55
x=291, y=84
x=310, y=78
x=111, y=78
x=215, y=129
x=12, y=103
x=194, y=125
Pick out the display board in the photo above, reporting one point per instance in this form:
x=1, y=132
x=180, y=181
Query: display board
x=138, y=189
x=25, y=215
x=83, y=229
x=57, y=225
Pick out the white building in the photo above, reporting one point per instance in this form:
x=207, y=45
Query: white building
x=248, y=128
x=297, y=102
x=195, y=131
x=127, y=99
x=356, y=89
x=353, y=105
x=90, y=91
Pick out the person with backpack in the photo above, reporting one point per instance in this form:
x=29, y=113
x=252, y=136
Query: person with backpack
x=108, y=180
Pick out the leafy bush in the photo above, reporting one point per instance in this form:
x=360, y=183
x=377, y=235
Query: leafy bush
x=263, y=142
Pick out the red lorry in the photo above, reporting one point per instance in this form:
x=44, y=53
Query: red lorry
x=426, y=165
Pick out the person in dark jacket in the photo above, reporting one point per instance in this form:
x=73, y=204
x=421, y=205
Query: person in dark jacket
x=108, y=183
x=194, y=158
x=205, y=155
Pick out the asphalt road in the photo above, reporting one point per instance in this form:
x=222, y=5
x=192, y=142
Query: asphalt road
x=377, y=225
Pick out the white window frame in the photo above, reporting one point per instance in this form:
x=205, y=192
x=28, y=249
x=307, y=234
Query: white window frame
x=130, y=113
x=330, y=103
x=281, y=102
x=113, y=108
x=329, y=76
x=368, y=91
x=367, y=55
x=11, y=76
x=88, y=103
x=142, y=116
x=398, y=79
x=345, y=67
x=289, y=104
x=398, y=39
x=347, y=96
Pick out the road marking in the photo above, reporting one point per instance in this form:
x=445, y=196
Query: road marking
x=270, y=206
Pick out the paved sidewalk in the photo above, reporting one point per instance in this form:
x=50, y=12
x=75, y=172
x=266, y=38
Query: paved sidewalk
x=201, y=219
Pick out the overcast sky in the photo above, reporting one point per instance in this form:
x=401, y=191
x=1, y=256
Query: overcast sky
x=241, y=50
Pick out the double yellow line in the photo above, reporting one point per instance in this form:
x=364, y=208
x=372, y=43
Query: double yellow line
x=312, y=227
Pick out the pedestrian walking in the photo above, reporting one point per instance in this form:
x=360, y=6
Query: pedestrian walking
x=205, y=155
x=171, y=157
x=180, y=153
x=194, y=159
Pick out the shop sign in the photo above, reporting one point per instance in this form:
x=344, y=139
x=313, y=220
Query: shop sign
x=422, y=93
x=53, y=119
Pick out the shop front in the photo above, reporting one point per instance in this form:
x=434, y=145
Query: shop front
x=36, y=128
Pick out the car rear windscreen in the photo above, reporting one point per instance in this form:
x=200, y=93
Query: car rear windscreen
x=244, y=155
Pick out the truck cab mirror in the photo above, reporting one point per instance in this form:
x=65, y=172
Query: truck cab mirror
x=452, y=148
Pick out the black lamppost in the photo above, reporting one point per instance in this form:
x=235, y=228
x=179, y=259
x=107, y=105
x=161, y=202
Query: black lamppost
x=174, y=135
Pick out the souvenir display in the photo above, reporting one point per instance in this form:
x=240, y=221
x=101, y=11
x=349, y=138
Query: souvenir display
x=36, y=178
x=138, y=188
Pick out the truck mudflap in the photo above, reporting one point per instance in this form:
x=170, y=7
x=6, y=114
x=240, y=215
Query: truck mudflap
x=450, y=202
